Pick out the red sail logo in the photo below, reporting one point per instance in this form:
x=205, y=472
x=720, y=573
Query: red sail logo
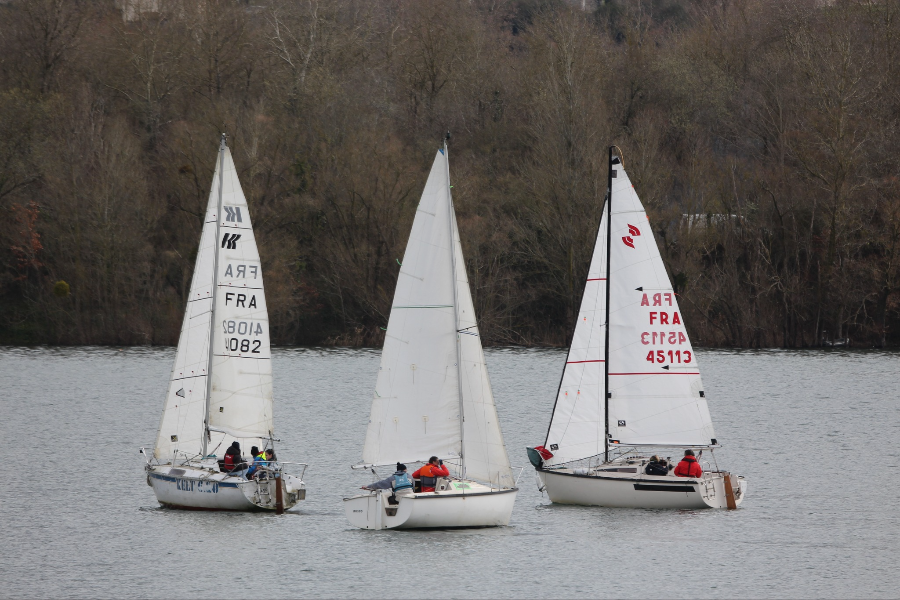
x=629, y=241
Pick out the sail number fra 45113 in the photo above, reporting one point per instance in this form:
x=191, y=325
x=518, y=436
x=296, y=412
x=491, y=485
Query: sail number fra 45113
x=674, y=356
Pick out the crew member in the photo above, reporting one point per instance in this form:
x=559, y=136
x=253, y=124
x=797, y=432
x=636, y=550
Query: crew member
x=430, y=472
x=233, y=462
x=657, y=466
x=400, y=482
x=688, y=467
x=259, y=460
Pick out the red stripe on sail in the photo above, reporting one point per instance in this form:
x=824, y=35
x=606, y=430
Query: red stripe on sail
x=654, y=373
x=578, y=362
x=598, y=279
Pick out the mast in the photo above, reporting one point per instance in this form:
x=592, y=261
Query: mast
x=215, y=291
x=609, y=179
x=462, y=429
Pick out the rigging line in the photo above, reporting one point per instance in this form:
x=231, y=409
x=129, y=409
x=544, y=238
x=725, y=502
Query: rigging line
x=250, y=357
x=453, y=242
x=609, y=179
x=425, y=306
x=212, y=330
x=189, y=377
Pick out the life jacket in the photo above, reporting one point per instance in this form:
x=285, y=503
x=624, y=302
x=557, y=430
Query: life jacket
x=402, y=481
x=688, y=467
x=229, y=462
x=428, y=476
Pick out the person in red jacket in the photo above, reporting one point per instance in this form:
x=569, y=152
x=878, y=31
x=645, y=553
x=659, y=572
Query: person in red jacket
x=688, y=467
x=430, y=472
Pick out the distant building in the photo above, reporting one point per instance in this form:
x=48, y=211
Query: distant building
x=132, y=9
x=703, y=221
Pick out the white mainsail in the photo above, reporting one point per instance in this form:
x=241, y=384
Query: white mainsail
x=421, y=388
x=655, y=390
x=239, y=399
x=654, y=379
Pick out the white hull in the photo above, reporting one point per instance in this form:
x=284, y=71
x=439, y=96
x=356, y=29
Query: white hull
x=431, y=510
x=624, y=490
x=196, y=488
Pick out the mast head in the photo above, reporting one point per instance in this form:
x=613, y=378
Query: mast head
x=615, y=156
x=224, y=141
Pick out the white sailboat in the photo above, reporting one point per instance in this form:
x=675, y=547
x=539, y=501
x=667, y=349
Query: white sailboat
x=221, y=385
x=632, y=387
x=433, y=395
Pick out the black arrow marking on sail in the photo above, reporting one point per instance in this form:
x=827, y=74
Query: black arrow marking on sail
x=180, y=392
x=666, y=367
x=640, y=289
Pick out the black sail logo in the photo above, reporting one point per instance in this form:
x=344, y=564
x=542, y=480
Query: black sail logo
x=229, y=240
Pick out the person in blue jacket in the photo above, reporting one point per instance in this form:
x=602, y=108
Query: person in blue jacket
x=400, y=482
x=259, y=460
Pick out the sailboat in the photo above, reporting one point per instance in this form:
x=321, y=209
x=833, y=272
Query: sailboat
x=631, y=384
x=220, y=389
x=433, y=396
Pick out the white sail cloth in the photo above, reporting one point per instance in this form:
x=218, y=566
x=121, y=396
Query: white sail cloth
x=241, y=398
x=654, y=380
x=578, y=425
x=416, y=407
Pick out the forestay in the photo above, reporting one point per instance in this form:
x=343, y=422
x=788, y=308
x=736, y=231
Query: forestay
x=654, y=379
x=241, y=399
x=578, y=424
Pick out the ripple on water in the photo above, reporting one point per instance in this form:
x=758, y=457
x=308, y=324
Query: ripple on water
x=808, y=429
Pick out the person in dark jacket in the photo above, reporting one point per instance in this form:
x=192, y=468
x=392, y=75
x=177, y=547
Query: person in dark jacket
x=233, y=462
x=400, y=482
x=688, y=467
x=657, y=466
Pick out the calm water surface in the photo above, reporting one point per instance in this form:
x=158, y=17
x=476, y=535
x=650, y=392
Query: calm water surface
x=815, y=433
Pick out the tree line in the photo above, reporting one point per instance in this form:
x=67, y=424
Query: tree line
x=760, y=135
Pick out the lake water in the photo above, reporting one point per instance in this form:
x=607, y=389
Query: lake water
x=815, y=433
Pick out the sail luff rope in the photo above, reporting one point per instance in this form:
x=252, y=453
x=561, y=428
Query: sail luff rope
x=215, y=292
x=462, y=430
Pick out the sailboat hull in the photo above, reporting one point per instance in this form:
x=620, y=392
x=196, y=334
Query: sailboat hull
x=192, y=488
x=564, y=486
x=431, y=510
